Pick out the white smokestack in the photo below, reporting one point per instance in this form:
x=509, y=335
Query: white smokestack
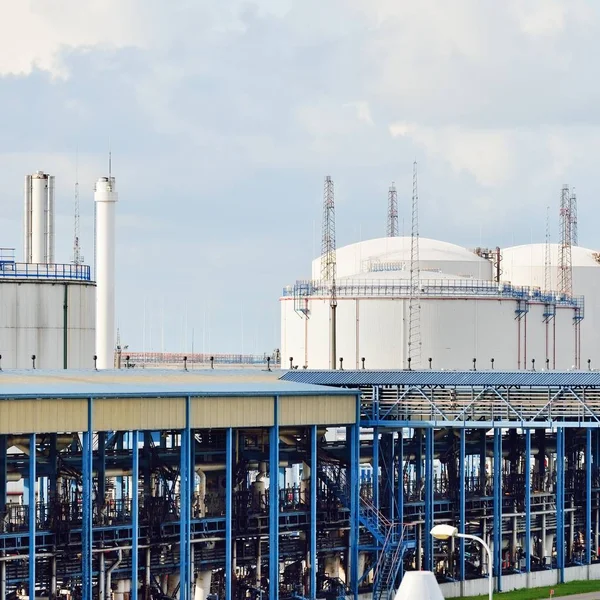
x=39, y=218
x=106, y=197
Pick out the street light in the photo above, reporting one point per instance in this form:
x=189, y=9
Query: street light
x=444, y=532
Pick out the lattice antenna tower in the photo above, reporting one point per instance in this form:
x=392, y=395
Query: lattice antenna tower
x=77, y=256
x=392, y=223
x=565, y=264
x=328, y=263
x=547, y=256
x=414, y=321
x=574, y=232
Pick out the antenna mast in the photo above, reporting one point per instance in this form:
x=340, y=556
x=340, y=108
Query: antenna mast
x=328, y=263
x=392, y=224
x=414, y=307
x=77, y=256
x=565, y=265
x=547, y=259
x=574, y=232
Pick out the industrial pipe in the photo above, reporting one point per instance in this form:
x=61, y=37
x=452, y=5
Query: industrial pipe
x=109, y=574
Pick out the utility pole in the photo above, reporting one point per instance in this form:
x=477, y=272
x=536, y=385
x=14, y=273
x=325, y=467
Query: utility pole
x=328, y=264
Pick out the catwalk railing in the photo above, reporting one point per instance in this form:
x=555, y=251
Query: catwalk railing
x=15, y=270
x=177, y=358
x=304, y=289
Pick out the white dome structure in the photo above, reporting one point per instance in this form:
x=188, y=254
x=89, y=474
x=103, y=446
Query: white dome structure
x=525, y=265
x=466, y=312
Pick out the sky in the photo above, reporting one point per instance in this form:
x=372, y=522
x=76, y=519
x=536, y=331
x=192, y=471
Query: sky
x=224, y=117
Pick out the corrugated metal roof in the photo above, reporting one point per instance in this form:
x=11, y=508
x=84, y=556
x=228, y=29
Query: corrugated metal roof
x=449, y=378
x=152, y=383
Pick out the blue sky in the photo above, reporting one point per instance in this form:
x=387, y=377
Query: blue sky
x=224, y=117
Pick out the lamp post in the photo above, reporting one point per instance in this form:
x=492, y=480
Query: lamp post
x=444, y=532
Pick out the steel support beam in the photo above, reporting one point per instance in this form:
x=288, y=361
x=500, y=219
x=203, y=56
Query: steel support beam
x=429, y=517
x=497, y=527
x=184, y=518
x=135, y=524
x=560, y=503
x=32, y=513
x=86, y=508
x=3, y=472
x=313, y=513
x=376, y=467
x=229, y=512
x=274, y=503
x=527, y=546
x=353, y=432
x=101, y=461
x=588, y=497
x=462, y=467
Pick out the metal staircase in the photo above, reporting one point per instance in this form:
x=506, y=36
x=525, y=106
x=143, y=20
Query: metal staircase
x=390, y=537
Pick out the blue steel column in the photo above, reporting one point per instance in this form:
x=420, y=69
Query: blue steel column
x=3, y=472
x=274, y=503
x=560, y=502
x=313, y=513
x=428, y=542
x=228, y=511
x=376, y=467
x=135, y=531
x=354, y=431
x=86, y=525
x=528, y=500
x=32, y=522
x=401, y=487
x=184, y=502
x=462, y=524
x=497, y=527
x=588, y=496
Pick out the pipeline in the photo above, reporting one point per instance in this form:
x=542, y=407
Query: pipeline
x=109, y=574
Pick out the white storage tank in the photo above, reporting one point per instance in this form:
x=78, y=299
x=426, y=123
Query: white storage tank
x=46, y=310
x=465, y=312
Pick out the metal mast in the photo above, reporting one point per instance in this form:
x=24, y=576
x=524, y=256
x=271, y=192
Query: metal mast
x=565, y=265
x=547, y=258
x=77, y=256
x=328, y=263
x=392, y=224
x=574, y=233
x=414, y=307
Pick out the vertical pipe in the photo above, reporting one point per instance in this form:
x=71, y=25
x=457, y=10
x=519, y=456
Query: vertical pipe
x=3, y=473
x=332, y=335
x=39, y=204
x=527, y=545
x=376, y=467
x=101, y=577
x=32, y=515
x=313, y=513
x=3, y=578
x=50, y=221
x=560, y=502
x=462, y=509
x=525, y=338
x=401, y=486
x=429, y=517
x=390, y=476
x=27, y=222
x=184, y=523
x=101, y=468
x=135, y=494
x=498, y=506
x=86, y=507
x=354, y=431
x=228, y=511
x=66, y=327
x=274, y=503
x=105, y=198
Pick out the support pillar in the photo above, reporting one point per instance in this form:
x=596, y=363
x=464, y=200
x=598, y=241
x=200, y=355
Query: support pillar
x=353, y=432
x=429, y=508
x=313, y=514
x=184, y=494
x=588, y=497
x=274, y=503
x=560, y=503
x=527, y=546
x=31, y=515
x=376, y=467
x=101, y=468
x=86, y=507
x=498, y=507
x=462, y=511
x=400, y=486
x=228, y=512
x=135, y=530
x=3, y=474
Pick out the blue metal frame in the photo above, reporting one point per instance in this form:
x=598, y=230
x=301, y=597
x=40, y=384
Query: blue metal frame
x=32, y=515
x=498, y=507
x=588, y=497
x=135, y=534
x=86, y=526
x=528, y=500
x=3, y=471
x=429, y=517
x=229, y=512
x=274, y=503
x=376, y=467
x=185, y=513
x=354, y=431
x=560, y=502
x=462, y=511
x=313, y=513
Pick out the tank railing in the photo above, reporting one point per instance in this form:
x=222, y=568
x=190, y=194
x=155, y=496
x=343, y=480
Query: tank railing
x=430, y=287
x=176, y=358
x=13, y=270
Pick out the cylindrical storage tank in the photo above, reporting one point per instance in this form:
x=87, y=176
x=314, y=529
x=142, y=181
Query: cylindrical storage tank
x=39, y=217
x=105, y=197
x=53, y=320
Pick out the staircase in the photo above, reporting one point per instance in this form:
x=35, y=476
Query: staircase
x=391, y=537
